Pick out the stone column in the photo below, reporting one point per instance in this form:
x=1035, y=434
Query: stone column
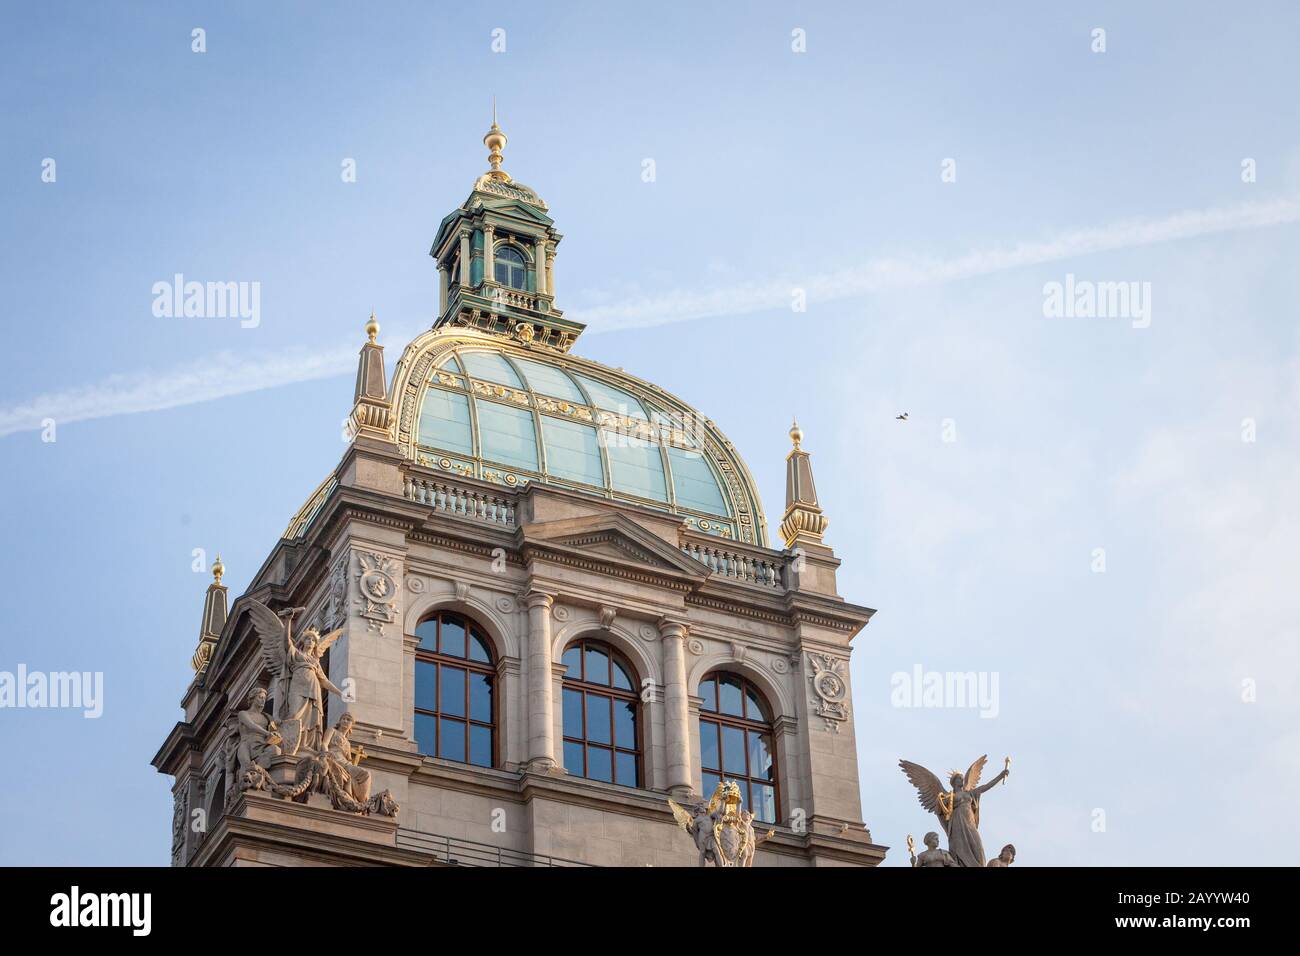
x=539, y=267
x=677, y=744
x=550, y=272
x=442, y=290
x=465, y=272
x=489, y=253
x=541, y=703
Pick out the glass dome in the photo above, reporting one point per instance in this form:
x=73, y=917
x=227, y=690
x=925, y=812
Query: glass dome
x=481, y=406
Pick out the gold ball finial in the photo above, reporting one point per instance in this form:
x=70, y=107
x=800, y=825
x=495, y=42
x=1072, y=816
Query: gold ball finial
x=218, y=569
x=372, y=328
x=796, y=434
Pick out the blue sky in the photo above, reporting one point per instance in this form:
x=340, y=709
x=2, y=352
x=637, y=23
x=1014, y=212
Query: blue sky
x=774, y=171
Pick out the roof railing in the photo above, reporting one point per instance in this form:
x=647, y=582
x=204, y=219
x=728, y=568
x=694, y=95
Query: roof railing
x=457, y=851
x=448, y=497
x=732, y=562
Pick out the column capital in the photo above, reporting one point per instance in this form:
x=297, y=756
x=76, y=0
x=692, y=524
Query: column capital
x=534, y=598
x=785, y=725
x=672, y=627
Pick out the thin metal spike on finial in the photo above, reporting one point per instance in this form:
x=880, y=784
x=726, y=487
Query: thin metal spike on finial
x=495, y=141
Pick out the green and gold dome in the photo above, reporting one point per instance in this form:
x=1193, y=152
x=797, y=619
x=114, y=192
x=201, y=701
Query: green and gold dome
x=492, y=392
x=481, y=405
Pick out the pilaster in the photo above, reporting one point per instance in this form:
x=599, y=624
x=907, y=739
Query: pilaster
x=677, y=725
x=541, y=701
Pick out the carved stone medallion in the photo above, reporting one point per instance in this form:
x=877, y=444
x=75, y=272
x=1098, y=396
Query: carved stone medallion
x=377, y=581
x=830, y=689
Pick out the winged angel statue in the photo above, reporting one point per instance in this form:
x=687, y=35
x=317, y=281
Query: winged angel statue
x=298, y=678
x=723, y=832
x=958, y=809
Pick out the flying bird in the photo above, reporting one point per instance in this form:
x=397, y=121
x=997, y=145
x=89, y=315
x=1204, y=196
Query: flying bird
x=902, y=417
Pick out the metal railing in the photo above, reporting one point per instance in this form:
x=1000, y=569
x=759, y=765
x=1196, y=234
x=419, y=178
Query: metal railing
x=456, y=851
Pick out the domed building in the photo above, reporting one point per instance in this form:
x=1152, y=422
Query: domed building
x=535, y=600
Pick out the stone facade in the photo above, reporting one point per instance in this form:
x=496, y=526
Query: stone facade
x=389, y=539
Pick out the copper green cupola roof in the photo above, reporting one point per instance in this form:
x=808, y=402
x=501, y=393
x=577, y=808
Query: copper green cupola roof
x=496, y=255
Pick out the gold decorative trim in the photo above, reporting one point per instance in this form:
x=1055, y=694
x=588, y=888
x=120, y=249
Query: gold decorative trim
x=412, y=377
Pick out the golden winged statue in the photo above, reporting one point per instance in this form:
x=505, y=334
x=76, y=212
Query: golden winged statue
x=958, y=809
x=722, y=831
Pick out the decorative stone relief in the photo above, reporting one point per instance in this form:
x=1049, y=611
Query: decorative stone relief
x=336, y=607
x=607, y=615
x=695, y=646
x=415, y=584
x=648, y=633
x=377, y=582
x=179, y=808
x=738, y=650
x=506, y=605
x=829, y=689
x=462, y=591
x=560, y=612
x=780, y=665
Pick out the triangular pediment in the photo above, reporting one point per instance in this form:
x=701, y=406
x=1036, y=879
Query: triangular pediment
x=518, y=208
x=611, y=544
x=614, y=539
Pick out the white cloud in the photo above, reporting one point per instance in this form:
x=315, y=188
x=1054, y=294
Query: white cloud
x=226, y=374
x=218, y=376
x=893, y=273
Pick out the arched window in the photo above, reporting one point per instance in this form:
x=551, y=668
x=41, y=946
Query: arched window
x=602, y=733
x=455, y=716
x=508, y=264
x=736, y=742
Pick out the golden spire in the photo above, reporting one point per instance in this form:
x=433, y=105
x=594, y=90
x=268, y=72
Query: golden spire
x=371, y=411
x=804, y=522
x=495, y=141
x=214, y=619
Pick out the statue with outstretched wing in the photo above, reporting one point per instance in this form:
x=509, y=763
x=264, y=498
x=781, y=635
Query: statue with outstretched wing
x=958, y=809
x=296, y=673
x=697, y=821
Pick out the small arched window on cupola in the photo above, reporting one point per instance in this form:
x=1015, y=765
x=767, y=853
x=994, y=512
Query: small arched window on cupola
x=510, y=269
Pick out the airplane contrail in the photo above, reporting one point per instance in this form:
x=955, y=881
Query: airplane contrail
x=227, y=374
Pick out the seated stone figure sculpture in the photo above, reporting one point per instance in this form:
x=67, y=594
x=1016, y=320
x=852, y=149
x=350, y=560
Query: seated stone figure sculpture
x=932, y=855
x=344, y=761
